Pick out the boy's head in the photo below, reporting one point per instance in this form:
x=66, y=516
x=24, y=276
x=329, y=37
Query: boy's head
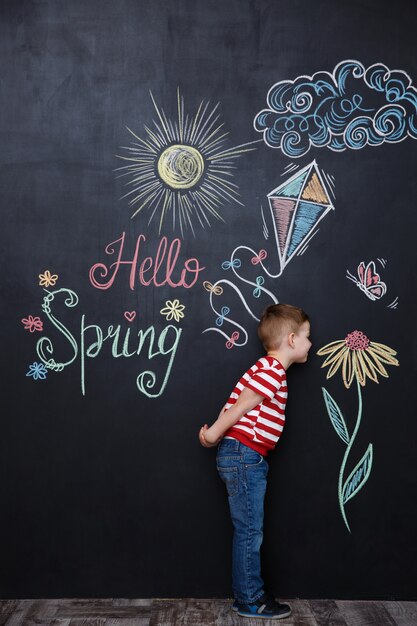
x=277, y=322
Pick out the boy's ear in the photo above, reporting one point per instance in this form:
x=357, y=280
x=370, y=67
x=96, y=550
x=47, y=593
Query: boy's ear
x=291, y=337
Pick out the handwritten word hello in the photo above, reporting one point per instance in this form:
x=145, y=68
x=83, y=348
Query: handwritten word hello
x=159, y=271
x=89, y=340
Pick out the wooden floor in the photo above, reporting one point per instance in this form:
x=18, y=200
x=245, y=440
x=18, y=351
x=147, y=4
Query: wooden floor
x=112, y=612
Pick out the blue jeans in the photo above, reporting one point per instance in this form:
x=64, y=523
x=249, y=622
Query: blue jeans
x=244, y=473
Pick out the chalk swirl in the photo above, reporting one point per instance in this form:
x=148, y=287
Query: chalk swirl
x=147, y=380
x=352, y=107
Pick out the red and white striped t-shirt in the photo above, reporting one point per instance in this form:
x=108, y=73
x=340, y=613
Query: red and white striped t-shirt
x=261, y=427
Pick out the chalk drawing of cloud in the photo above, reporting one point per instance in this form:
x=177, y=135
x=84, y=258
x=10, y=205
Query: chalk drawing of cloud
x=349, y=108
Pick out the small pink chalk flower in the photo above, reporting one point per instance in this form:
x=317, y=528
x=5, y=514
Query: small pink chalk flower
x=32, y=323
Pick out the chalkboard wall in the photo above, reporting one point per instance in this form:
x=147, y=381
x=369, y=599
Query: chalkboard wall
x=169, y=169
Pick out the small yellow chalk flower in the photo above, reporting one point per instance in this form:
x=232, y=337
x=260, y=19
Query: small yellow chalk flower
x=47, y=279
x=173, y=310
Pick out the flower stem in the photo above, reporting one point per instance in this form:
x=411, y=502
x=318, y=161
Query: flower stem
x=346, y=455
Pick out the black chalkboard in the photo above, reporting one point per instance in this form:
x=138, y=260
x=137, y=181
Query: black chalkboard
x=168, y=169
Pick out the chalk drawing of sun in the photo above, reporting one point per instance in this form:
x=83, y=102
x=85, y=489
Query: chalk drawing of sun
x=182, y=170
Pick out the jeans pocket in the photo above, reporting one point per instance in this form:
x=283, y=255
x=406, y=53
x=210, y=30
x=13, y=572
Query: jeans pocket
x=253, y=459
x=229, y=476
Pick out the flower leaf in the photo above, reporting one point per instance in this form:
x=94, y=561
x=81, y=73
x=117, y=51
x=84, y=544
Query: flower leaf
x=336, y=416
x=359, y=476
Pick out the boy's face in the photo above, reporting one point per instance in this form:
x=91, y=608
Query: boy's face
x=302, y=343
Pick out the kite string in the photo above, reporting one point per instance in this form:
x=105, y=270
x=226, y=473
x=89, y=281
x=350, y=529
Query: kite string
x=258, y=285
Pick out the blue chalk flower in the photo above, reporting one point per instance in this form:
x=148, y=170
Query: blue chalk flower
x=38, y=371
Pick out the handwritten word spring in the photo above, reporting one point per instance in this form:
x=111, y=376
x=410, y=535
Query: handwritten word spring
x=158, y=271
x=87, y=341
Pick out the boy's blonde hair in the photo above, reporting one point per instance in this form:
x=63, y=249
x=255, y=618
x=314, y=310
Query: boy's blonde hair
x=277, y=321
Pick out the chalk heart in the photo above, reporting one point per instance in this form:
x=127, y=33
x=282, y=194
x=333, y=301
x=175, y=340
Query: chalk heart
x=130, y=315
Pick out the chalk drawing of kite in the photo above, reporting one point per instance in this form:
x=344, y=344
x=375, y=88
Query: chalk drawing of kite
x=350, y=108
x=182, y=170
x=297, y=206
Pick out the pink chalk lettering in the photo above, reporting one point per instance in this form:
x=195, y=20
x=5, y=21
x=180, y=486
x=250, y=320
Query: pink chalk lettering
x=159, y=259
x=158, y=272
x=144, y=267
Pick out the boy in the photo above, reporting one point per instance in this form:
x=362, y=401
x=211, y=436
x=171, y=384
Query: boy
x=247, y=428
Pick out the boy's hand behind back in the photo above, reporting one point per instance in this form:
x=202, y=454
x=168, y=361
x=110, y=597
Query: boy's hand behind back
x=210, y=437
x=204, y=438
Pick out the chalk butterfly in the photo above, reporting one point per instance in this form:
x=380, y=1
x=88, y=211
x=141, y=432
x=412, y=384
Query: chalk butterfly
x=369, y=281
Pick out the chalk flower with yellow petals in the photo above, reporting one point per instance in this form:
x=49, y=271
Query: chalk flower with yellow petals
x=47, y=279
x=358, y=357
x=173, y=310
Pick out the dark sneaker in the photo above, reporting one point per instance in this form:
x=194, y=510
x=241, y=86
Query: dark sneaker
x=235, y=605
x=264, y=608
x=267, y=596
